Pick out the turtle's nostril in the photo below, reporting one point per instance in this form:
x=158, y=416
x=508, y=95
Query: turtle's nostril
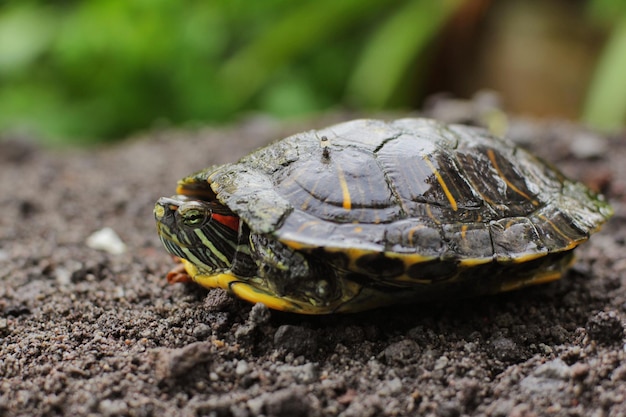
x=159, y=211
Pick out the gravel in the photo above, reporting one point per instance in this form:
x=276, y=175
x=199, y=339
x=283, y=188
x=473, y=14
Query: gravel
x=91, y=332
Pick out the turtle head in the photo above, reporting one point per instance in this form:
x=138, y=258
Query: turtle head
x=205, y=233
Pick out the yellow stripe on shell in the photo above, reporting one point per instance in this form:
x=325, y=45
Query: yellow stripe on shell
x=412, y=231
x=464, y=231
x=443, y=184
x=347, y=202
x=572, y=244
x=430, y=214
x=492, y=157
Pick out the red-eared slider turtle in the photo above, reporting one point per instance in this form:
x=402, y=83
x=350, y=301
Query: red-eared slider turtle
x=369, y=213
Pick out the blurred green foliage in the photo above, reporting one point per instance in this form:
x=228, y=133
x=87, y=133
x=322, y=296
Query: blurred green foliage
x=98, y=69
x=104, y=68
x=605, y=107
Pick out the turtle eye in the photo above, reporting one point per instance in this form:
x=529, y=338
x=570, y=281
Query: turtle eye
x=194, y=214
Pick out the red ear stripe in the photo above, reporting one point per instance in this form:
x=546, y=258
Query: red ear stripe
x=228, y=221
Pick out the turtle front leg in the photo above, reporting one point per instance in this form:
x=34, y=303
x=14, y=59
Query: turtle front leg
x=293, y=274
x=178, y=273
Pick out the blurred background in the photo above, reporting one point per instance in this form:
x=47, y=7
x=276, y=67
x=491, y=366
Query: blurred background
x=88, y=71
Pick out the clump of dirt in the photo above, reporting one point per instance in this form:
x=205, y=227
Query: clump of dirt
x=87, y=332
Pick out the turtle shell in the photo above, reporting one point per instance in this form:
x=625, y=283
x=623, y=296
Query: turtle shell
x=405, y=210
x=412, y=187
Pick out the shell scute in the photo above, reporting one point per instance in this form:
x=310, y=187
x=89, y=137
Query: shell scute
x=347, y=187
x=556, y=228
x=421, y=172
x=516, y=237
x=366, y=135
x=415, y=236
x=468, y=241
x=251, y=195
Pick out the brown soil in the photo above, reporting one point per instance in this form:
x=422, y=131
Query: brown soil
x=84, y=332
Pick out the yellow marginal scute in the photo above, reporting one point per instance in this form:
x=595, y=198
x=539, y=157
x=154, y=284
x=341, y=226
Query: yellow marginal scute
x=223, y=280
x=243, y=290
x=572, y=244
x=541, y=278
x=471, y=262
x=254, y=295
x=526, y=257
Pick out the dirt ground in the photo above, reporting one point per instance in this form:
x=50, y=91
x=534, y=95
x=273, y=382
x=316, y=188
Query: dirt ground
x=84, y=332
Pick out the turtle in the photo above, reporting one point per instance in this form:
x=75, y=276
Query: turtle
x=370, y=213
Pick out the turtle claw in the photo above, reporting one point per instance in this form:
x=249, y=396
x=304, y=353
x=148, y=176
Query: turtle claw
x=178, y=273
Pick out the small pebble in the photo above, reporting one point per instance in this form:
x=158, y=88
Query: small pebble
x=106, y=240
x=555, y=369
x=505, y=349
x=259, y=314
x=255, y=405
x=201, y=331
x=587, y=146
x=63, y=276
x=402, y=352
x=242, y=368
x=580, y=370
x=175, y=363
x=287, y=402
x=295, y=339
x=449, y=409
x=113, y=407
x=308, y=373
x=605, y=327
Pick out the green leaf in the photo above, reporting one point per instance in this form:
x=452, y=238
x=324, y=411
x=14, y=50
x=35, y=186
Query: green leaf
x=393, y=47
x=25, y=33
x=291, y=36
x=605, y=107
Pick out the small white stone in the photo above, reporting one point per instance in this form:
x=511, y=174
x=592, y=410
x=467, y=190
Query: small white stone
x=106, y=240
x=119, y=292
x=255, y=405
x=113, y=407
x=586, y=146
x=63, y=276
x=242, y=368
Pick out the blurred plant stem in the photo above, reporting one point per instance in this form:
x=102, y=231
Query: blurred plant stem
x=392, y=48
x=605, y=107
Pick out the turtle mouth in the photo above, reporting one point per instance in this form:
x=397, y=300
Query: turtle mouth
x=172, y=233
x=165, y=215
x=167, y=226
